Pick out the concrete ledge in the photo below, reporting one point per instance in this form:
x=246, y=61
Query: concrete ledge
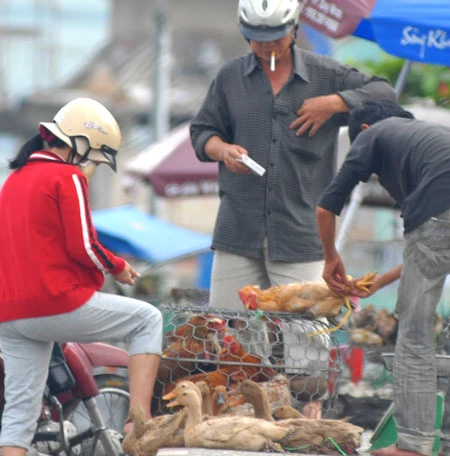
x=207, y=452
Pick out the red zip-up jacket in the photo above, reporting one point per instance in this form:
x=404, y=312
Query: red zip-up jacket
x=51, y=261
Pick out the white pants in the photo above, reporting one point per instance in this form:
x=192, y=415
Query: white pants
x=27, y=346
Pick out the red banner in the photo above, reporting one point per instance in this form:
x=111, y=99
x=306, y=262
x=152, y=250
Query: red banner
x=335, y=18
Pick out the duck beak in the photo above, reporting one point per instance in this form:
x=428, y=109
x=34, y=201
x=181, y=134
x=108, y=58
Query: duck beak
x=170, y=395
x=220, y=399
x=174, y=403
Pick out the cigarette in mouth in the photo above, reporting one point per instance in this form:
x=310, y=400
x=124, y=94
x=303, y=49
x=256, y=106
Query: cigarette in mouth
x=272, y=61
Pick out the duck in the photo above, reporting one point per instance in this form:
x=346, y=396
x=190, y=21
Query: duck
x=200, y=387
x=286, y=411
x=229, y=432
x=318, y=434
x=205, y=392
x=146, y=436
x=220, y=401
x=257, y=398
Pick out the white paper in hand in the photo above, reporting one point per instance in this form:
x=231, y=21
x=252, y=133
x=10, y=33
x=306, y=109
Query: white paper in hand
x=255, y=167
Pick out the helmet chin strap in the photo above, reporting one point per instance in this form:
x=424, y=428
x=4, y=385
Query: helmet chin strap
x=294, y=35
x=80, y=146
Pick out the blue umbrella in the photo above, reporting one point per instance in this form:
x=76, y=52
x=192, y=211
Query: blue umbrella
x=417, y=30
x=126, y=230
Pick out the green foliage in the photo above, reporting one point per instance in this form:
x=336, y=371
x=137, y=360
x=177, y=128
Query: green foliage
x=424, y=81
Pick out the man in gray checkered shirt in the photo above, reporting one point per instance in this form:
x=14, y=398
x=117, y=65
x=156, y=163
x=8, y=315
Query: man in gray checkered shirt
x=283, y=107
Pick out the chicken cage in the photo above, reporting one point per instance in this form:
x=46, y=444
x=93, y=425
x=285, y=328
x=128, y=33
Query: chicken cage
x=287, y=353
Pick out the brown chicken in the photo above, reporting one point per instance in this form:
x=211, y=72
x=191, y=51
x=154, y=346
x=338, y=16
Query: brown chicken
x=312, y=297
x=370, y=326
x=194, y=347
x=365, y=318
x=386, y=325
x=234, y=363
x=199, y=326
x=196, y=340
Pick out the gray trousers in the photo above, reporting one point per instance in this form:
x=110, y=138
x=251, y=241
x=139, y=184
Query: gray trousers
x=27, y=346
x=426, y=262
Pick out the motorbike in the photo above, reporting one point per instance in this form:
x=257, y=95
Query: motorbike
x=78, y=417
x=110, y=370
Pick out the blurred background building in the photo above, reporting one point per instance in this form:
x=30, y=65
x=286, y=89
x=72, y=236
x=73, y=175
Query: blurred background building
x=150, y=62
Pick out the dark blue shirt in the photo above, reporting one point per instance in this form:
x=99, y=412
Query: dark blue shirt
x=412, y=160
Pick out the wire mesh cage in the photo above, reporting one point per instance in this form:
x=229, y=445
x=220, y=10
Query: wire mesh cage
x=223, y=347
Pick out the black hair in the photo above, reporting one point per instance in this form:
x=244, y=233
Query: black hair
x=372, y=112
x=32, y=145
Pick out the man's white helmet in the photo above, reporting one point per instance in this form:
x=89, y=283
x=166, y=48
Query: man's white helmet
x=267, y=20
x=89, y=128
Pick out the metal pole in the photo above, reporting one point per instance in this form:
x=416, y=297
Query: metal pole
x=161, y=75
x=356, y=200
x=160, y=114
x=402, y=77
x=52, y=36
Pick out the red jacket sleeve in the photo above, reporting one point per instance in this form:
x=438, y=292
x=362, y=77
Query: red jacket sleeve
x=80, y=234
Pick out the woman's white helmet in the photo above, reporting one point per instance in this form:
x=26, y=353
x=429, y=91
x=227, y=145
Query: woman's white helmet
x=267, y=20
x=89, y=128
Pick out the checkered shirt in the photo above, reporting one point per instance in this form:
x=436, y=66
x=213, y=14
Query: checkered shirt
x=241, y=108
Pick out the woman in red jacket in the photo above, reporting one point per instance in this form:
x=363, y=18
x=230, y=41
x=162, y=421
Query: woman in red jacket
x=52, y=267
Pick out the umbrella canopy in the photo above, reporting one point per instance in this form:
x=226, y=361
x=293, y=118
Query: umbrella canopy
x=129, y=231
x=416, y=30
x=171, y=167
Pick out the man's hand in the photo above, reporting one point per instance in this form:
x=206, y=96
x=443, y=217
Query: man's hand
x=219, y=150
x=316, y=111
x=127, y=276
x=335, y=276
x=230, y=156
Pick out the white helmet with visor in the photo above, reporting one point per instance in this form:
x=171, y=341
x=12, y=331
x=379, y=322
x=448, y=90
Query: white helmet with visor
x=267, y=20
x=89, y=128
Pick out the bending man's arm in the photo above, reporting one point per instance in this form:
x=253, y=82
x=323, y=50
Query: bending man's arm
x=334, y=271
x=380, y=281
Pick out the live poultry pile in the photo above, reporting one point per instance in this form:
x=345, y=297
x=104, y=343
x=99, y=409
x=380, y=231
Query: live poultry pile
x=196, y=425
x=372, y=327
x=223, y=348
